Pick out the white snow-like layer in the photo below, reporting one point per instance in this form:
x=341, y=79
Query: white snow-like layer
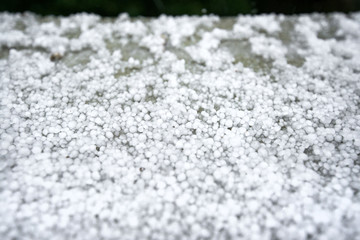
x=180, y=127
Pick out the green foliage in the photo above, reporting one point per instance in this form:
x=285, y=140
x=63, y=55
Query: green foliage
x=177, y=7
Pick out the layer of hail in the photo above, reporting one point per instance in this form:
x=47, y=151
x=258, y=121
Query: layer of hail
x=179, y=127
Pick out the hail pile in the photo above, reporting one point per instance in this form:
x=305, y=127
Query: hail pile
x=180, y=127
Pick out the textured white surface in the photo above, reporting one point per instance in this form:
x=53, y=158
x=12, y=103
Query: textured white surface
x=180, y=128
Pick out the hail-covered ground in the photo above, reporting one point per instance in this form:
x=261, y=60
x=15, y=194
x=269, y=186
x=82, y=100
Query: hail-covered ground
x=180, y=127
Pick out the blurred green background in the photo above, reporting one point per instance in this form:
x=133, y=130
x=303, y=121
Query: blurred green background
x=178, y=7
